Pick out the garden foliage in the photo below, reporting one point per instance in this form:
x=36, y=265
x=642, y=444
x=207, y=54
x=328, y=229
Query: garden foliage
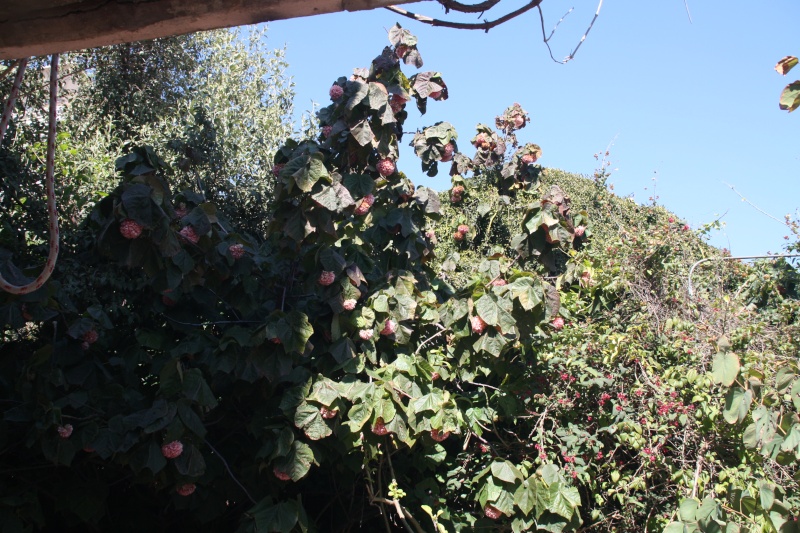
x=388, y=357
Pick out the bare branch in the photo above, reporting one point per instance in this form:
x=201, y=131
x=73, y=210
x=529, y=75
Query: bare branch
x=442, y=331
x=546, y=38
x=485, y=26
x=467, y=8
x=591, y=24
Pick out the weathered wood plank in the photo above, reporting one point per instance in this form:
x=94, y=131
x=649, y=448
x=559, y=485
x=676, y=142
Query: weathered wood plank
x=39, y=27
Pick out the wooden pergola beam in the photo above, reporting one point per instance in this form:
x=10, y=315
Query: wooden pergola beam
x=39, y=27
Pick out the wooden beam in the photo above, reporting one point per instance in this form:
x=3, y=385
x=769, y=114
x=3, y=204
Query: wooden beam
x=41, y=27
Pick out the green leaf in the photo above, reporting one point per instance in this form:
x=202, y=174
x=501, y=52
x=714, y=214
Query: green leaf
x=138, y=204
x=191, y=462
x=86, y=500
x=271, y=517
x=362, y=132
x=688, y=509
x=784, y=378
x=334, y=198
x=790, y=97
x=674, y=527
x=381, y=304
x=308, y=418
x=195, y=388
x=506, y=471
x=792, y=439
x=377, y=96
x=324, y=391
x=301, y=331
x=524, y=497
x=708, y=509
x=737, y=405
x=725, y=368
x=358, y=415
x=528, y=291
x=148, y=456
x=496, y=311
x=299, y=461
x=357, y=91
x=491, y=343
x=404, y=307
x=190, y=419
x=429, y=402
x=767, y=496
x=563, y=500
x=343, y=350
x=795, y=393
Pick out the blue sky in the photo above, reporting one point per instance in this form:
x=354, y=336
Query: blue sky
x=692, y=104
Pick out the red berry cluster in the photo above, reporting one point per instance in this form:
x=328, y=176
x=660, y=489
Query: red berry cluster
x=439, y=435
x=380, y=427
x=385, y=167
x=456, y=193
x=173, y=449
x=236, y=250
x=364, y=205
x=478, y=324
x=189, y=234
x=130, y=229
x=64, y=431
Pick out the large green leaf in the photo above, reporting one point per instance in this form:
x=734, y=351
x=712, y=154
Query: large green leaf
x=496, y=311
x=324, y=391
x=148, y=456
x=737, y=404
x=528, y=291
x=564, y=500
x=299, y=461
x=308, y=418
x=688, y=509
x=270, y=517
x=525, y=497
x=334, y=198
x=725, y=368
x=506, y=471
x=195, y=388
x=674, y=527
x=362, y=132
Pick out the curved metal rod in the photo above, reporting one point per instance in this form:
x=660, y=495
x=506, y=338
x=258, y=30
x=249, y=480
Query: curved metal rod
x=691, y=270
x=49, y=176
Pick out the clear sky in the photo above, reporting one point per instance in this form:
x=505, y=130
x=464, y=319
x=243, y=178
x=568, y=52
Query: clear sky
x=692, y=104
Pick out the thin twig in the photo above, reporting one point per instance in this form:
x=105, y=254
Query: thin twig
x=754, y=206
x=546, y=38
x=698, y=468
x=380, y=501
x=482, y=385
x=399, y=508
x=214, y=323
x=230, y=472
x=426, y=341
x=485, y=25
x=8, y=70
